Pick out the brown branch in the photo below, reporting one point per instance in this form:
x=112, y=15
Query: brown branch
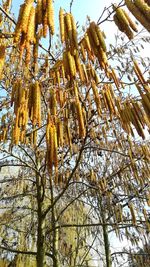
x=7, y=15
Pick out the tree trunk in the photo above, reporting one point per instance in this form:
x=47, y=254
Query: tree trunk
x=105, y=235
x=40, y=244
x=107, y=246
x=40, y=258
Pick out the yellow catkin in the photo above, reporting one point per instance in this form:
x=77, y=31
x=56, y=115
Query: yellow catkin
x=39, y=14
x=55, y=158
x=53, y=102
x=68, y=25
x=74, y=32
x=28, y=53
x=51, y=146
x=144, y=8
x=71, y=63
x=79, y=67
x=101, y=38
x=123, y=23
x=60, y=135
x=45, y=25
x=137, y=14
x=132, y=210
x=2, y=58
x=96, y=98
x=25, y=15
x=50, y=16
x=131, y=23
x=31, y=26
x=66, y=65
x=18, y=25
x=36, y=103
x=115, y=78
x=83, y=51
x=93, y=32
x=62, y=25
x=138, y=72
x=22, y=45
x=80, y=117
x=148, y=198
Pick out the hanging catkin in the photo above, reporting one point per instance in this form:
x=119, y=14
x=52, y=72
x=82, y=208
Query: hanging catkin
x=2, y=58
x=50, y=16
x=138, y=14
x=62, y=25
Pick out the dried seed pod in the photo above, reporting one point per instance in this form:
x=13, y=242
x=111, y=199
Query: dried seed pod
x=50, y=16
x=62, y=25
x=137, y=14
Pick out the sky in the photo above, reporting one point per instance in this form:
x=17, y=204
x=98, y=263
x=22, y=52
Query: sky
x=80, y=8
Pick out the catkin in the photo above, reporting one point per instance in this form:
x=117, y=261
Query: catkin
x=31, y=26
x=25, y=15
x=131, y=23
x=131, y=207
x=2, y=58
x=18, y=25
x=96, y=97
x=50, y=16
x=122, y=22
x=45, y=25
x=144, y=8
x=137, y=14
x=39, y=13
x=74, y=32
x=62, y=25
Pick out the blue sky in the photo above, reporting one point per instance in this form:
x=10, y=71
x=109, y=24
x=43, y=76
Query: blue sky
x=80, y=9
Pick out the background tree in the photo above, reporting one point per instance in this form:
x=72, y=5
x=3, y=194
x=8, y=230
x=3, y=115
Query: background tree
x=70, y=122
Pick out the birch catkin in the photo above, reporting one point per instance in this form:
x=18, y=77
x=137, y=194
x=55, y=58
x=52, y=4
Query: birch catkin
x=62, y=25
x=50, y=16
x=2, y=58
x=138, y=14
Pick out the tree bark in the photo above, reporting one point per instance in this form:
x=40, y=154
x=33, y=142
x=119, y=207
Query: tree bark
x=40, y=258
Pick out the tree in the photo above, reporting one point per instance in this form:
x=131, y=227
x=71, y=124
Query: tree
x=69, y=125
